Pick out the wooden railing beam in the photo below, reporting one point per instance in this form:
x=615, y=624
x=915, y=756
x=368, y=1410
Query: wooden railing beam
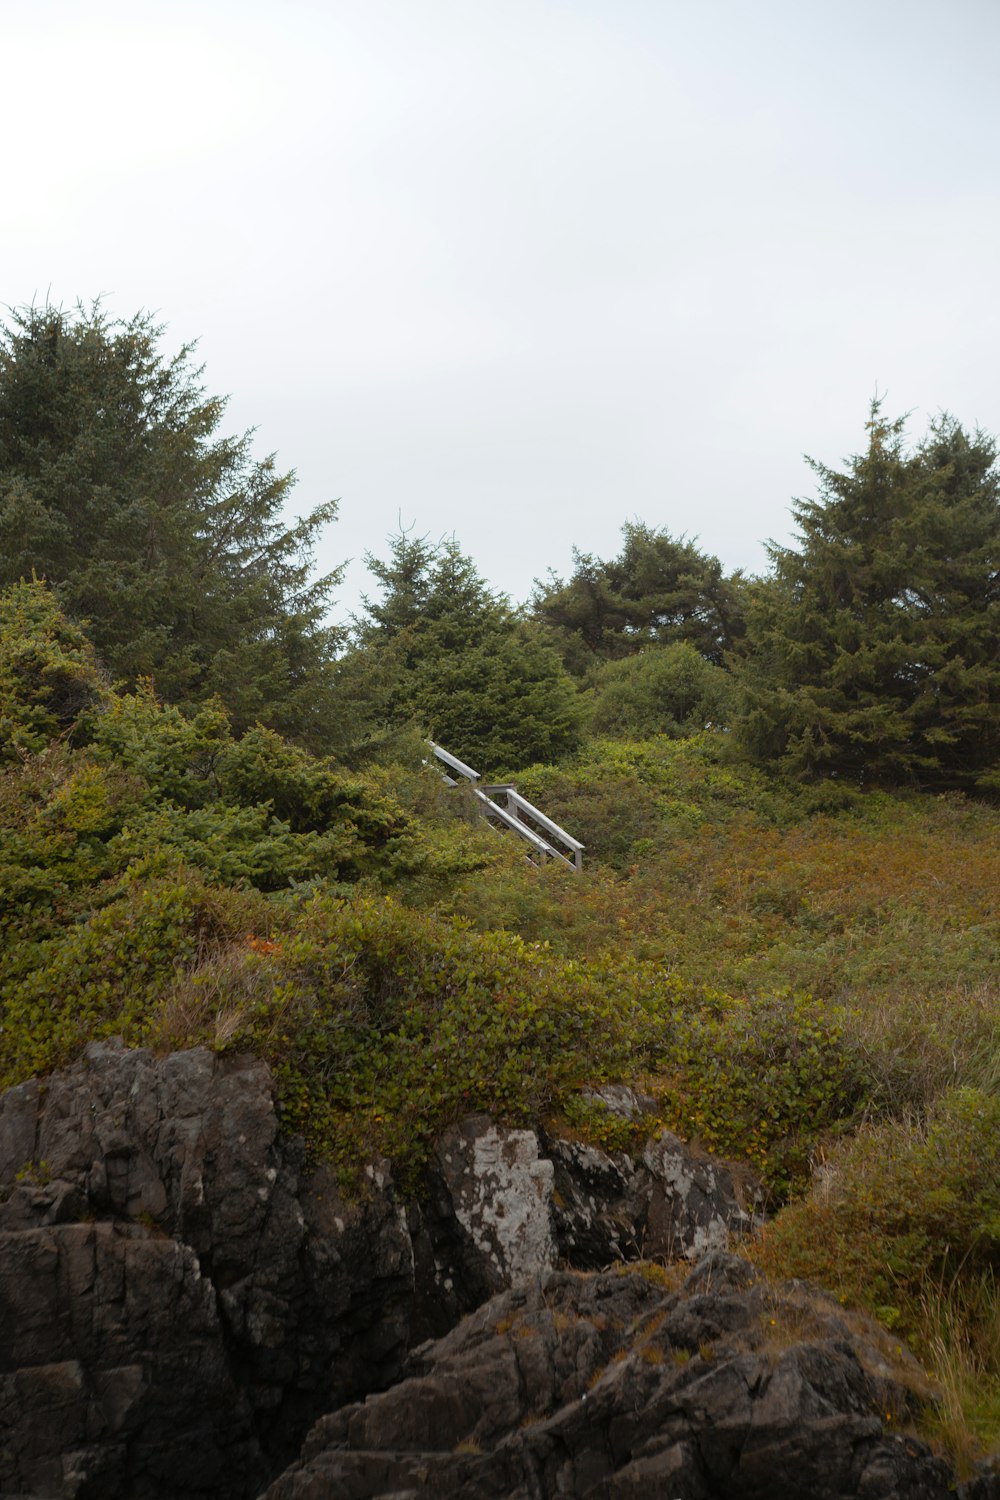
x=516, y=814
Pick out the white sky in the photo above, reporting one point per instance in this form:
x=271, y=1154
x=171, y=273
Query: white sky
x=522, y=271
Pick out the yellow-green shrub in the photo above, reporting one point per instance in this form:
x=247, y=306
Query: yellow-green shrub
x=49, y=674
x=383, y=1024
x=905, y=1205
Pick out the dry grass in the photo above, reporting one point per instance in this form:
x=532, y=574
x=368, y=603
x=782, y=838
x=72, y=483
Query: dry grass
x=213, y=1000
x=961, y=1332
x=923, y=1043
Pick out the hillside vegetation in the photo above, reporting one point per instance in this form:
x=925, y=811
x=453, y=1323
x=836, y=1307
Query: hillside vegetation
x=787, y=929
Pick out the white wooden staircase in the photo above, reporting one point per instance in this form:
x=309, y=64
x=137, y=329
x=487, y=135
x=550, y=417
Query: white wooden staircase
x=515, y=813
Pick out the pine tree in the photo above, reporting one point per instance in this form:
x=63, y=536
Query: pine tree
x=165, y=538
x=659, y=590
x=874, y=652
x=442, y=650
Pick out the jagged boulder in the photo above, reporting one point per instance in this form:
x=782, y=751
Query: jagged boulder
x=521, y=1200
x=182, y=1295
x=608, y=1387
x=221, y=1298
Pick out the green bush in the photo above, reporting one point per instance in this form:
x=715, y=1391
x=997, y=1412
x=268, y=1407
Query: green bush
x=383, y=1024
x=671, y=690
x=107, y=975
x=904, y=1206
x=49, y=674
x=763, y=1079
x=629, y=799
x=437, y=1020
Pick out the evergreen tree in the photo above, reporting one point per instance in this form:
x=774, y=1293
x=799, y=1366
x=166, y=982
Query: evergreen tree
x=49, y=675
x=657, y=591
x=668, y=690
x=164, y=537
x=875, y=649
x=440, y=649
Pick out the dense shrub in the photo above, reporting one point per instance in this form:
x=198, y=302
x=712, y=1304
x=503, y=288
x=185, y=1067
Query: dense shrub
x=668, y=690
x=105, y=975
x=383, y=1024
x=628, y=799
x=715, y=874
x=906, y=1205
x=763, y=1079
x=49, y=675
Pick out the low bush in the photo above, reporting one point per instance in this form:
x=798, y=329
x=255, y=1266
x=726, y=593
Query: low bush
x=383, y=1024
x=764, y=1080
x=906, y=1205
x=904, y=1221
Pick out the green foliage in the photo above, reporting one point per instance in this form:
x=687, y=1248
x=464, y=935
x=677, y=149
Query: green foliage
x=504, y=702
x=424, y=584
x=959, y=1328
x=383, y=1024
x=105, y=974
x=444, y=652
x=58, y=813
x=113, y=858
x=669, y=690
x=658, y=591
x=588, y=1117
x=155, y=789
x=886, y=911
x=764, y=1079
x=771, y=957
x=251, y=808
x=874, y=651
x=48, y=671
x=167, y=540
x=904, y=1206
x=629, y=799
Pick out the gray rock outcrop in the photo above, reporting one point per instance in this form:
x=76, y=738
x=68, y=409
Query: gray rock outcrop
x=179, y=1297
x=521, y=1201
x=182, y=1296
x=115, y=1379
x=606, y=1387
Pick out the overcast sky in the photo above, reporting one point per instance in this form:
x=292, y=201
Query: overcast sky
x=522, y=270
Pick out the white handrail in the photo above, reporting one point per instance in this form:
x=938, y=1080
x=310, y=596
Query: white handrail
x=509, y=821
x=510, y=816
x=454, y=762
x=513, y=795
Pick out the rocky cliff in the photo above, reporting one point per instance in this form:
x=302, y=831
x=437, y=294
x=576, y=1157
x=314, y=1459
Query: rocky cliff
x=608, y=1387
x=183, y=1297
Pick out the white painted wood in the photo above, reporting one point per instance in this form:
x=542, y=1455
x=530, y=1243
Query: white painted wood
x=514, y=816
x=454, y=762
x=494, y=810
x=524, y=805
